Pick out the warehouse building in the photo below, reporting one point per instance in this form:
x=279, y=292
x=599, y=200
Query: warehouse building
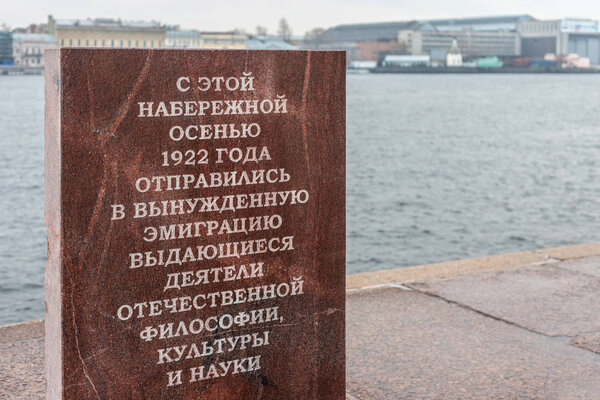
x=484, y=36
x=470, y=42
x=561, y=37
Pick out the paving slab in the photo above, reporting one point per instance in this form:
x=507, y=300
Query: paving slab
x=22, y=331
x=589, y=265
x=543, y=298
x=408, y=345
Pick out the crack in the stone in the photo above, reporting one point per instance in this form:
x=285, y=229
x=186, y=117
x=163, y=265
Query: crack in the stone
x=483, y=313
x=304, y=100
x=136, y=86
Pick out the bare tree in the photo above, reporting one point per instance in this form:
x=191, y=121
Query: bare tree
x=284, y=31
x=261, y=30
x=313, y=35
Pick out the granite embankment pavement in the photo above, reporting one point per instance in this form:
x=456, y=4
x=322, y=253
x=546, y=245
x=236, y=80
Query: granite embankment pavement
x=516, y=326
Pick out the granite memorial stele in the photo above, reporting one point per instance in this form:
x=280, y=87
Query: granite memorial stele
x=195, y=209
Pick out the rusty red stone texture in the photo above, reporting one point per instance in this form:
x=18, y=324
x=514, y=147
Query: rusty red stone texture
x=128, y=183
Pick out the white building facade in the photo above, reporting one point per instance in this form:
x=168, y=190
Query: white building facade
x=28, y=48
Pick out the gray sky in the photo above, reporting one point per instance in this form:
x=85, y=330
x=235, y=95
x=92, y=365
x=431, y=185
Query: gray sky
x=301, y=15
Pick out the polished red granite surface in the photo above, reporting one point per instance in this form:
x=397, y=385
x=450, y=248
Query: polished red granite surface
x=196, y=224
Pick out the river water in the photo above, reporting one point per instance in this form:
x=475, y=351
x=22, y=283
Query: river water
x=440, y=167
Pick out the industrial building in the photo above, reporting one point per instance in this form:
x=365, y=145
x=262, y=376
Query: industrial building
x=561, y=37
x=471, y=43
x=388, y=31
x=105, y=32
x=375, y=32
x=364, y=42
x=518, y=37
x=484, y=36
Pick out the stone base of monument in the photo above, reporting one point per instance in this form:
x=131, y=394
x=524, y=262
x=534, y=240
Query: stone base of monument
x=521, y=325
